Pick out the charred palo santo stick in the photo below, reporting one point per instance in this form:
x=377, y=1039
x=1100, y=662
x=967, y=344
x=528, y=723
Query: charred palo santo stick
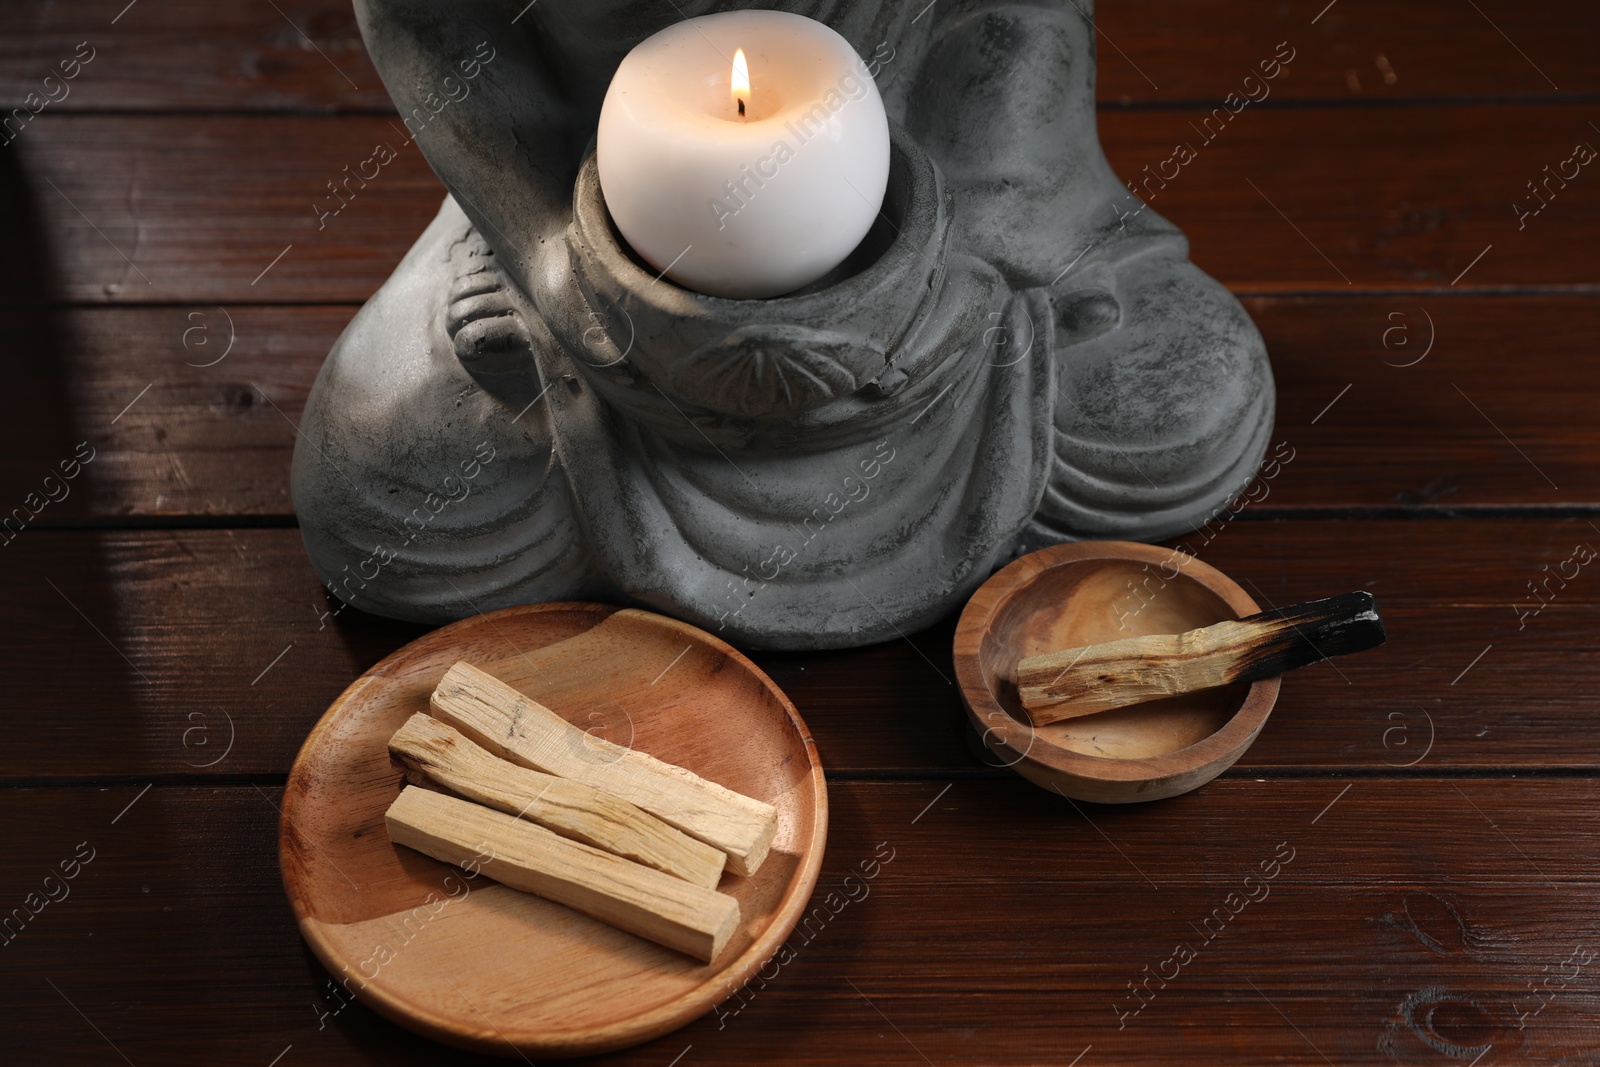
x=628, y=895
x=1082, y=681
x=571, y=809
x=526, y=732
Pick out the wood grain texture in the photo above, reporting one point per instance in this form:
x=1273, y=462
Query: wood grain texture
x=445, y=758
x=196, y=208
x=249, y=57
x=493, y=712
x=1128, y=670
x=1398, y=198
x=173, y=436
x=1404, y=401
x=1371, y=944
x=192, y=55
x=221, y=633
x=1357, y=51
x=647, y=903
x=216, y=440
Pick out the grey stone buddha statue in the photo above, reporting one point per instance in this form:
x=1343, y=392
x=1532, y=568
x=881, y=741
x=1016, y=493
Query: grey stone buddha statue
x=1019, y=353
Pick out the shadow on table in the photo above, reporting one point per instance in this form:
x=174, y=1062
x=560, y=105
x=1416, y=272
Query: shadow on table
x=71, y=710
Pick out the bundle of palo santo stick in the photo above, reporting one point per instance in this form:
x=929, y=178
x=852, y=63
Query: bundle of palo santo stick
x=614, y=833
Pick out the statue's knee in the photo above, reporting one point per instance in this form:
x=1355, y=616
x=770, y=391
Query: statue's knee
x=1165, y=414
x=1171, y=357
x=422, y=494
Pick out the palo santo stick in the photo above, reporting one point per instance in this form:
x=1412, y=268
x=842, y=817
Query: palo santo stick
x=524, y=731
x=522, y=855
x=1082, y=681
x=571, y=809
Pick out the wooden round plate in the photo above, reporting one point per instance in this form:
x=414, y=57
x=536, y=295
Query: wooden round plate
x=484, y=967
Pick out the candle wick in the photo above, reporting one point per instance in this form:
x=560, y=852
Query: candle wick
x=741, y=109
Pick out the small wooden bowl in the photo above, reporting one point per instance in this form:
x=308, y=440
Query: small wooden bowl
x=1082, y=594
x=483, y=966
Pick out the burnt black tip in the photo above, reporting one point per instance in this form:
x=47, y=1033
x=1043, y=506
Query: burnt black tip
x=1318, y=630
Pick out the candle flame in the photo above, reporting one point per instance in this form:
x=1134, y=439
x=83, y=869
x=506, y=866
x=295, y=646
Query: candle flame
x=741, y=80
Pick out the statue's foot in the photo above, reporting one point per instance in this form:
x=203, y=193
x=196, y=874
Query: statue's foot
x=1164, y=402
x=424, y=476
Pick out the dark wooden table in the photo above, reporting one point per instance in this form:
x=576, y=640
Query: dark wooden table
x=169, y=297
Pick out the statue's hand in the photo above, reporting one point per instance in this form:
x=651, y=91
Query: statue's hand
x=483, y=101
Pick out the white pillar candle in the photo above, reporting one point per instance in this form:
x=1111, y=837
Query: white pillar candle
x=744, y=154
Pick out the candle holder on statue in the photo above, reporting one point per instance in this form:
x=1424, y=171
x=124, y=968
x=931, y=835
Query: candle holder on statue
x=1019, y=353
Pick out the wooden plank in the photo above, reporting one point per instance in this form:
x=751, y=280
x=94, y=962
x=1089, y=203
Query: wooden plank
x=309, y=54
x=220, y=629
x=1354, y=50
x=198, y=652
x=190, y=409
x=189, y=55
x=1397, y=914
x=1410, y=401
x=1333, y=199
x=198, y=209
x=1386, y=401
